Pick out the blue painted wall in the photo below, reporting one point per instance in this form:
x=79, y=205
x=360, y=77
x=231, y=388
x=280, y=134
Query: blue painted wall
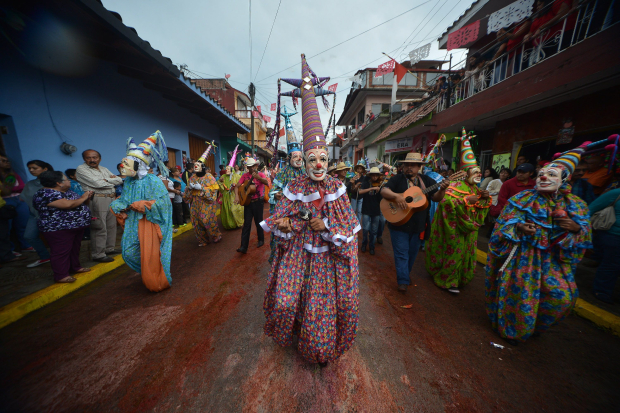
x=97, y=110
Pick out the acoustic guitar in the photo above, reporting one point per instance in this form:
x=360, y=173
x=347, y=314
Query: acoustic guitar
x=416, y=201
x=246, y=191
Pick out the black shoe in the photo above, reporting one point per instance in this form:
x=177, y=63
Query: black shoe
x=363, y=247
x=372, y=251
x=380, y=240
x=242, y=250
x=113, y=252
x=260, y=244
x=104, y=259
x=402, y=288
x=511, y=341
x=323, y=365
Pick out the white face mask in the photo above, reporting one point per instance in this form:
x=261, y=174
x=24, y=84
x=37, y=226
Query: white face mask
x=127, y=167
x=316, y=164
x=474, y=176
x=296, y=160
x=198, y=167
x=549, y=179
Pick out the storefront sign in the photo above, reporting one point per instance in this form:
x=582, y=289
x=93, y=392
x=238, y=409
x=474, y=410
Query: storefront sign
x=501, y=160
x=399, y=145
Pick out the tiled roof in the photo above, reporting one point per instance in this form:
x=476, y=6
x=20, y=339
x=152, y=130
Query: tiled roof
x=408, y=119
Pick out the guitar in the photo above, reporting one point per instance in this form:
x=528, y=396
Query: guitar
x=416, y=201
x=246, y=191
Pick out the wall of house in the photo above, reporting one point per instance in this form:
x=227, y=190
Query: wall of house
x=98, y=110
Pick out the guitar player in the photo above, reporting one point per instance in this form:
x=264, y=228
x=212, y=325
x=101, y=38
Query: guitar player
x=406, y=238
x=253, y=211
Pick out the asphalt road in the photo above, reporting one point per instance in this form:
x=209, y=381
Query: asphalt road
x=115, y=347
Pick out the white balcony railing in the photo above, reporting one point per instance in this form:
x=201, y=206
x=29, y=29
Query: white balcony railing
x=530, y=53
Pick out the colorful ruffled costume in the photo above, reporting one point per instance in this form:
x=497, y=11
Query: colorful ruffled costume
x=203, y=207
x=537, y=288
x=147, y=239
x=451, y=248
x=313, y=288
x=530, y=283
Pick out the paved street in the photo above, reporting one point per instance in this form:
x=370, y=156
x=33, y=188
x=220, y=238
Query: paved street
x=199, y=347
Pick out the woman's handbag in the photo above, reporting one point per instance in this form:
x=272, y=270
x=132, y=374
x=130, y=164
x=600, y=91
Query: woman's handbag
x=605, y=218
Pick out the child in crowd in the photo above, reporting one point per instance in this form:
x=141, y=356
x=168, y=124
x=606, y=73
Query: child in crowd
x=177, y=208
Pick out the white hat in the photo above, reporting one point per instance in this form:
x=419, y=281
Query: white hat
x=250, y=161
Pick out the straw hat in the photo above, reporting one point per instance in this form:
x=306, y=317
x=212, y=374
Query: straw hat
x=341, y=166
x=374, y=170
x=413, y=157
x=331, y=169
x=360, y=163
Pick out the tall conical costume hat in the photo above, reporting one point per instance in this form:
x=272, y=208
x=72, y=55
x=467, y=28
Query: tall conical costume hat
x=468, y=160
x=205, y=155
x=292, y=144
x=313, y=136
x=153, y=151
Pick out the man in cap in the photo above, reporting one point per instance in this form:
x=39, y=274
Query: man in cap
x=254, y=211
x=406, y=238
x=522, y=181
x=371, y=211
x=451, y=249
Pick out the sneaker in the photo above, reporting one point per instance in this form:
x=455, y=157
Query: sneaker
x=29, y=249
x=37, y=263
x=380, y=240
x=454, y=290
x=17, y=254
x=175, y=230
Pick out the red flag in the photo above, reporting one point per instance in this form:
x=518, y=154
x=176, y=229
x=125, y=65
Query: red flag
x=267, y=118
x=399, y=71
x=463, y=36
x=333, y=87
x=385, y=68
x=258, y=108
x=227, y=76
x=281, y=132
x=273, y=107
x=256, y=114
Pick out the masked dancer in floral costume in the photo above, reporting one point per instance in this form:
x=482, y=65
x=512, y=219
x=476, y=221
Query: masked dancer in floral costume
x=291, y=171
x=538, y=240
x=145, y=206
x=313, y=286
x=201, y=194
x=231, y=213
x=451, y=248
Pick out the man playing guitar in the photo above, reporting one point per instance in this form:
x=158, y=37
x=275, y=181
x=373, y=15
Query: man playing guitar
x=406, y=238
x=254, y=211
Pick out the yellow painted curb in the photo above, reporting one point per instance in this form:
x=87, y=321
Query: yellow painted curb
x=18, y=309
x=582, y=308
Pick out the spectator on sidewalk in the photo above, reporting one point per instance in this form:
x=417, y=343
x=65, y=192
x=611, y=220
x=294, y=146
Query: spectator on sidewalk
x=597, y=174
x=580, y=187
x=77, y=188
x=36, y=167
x=608, y=243
x=62, y=219
x=513, y=186
x=177, y=207
x=98, y=179
x=489, y=175
x=521, y=159
x=11, y=186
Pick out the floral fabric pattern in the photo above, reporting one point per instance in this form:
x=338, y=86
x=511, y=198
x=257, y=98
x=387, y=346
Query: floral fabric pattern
x=313, y=285
x=281, y=181
x=203, y=208
x=451, y=248
x=56, y=219
x=537, y=289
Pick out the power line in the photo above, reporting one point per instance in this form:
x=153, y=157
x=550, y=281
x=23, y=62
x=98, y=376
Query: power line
x=350, y=38
x=250, y=6
x=273, y=24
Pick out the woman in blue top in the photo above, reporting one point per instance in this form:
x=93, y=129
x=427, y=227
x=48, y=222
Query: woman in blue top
x=62, y=219
x=608, y=242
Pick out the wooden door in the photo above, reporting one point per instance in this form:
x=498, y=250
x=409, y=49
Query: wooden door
x=172, y=158
x=197, y=146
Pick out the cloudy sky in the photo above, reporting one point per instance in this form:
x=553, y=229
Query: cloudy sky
x=213, y=38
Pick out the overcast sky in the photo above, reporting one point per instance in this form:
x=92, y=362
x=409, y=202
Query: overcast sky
x=213, y=38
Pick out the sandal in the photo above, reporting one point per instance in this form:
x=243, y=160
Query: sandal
x=68, y=279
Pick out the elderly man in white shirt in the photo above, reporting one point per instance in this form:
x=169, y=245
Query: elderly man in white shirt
x=99, y=179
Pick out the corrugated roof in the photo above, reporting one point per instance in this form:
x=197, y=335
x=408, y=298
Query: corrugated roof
x=408, y=119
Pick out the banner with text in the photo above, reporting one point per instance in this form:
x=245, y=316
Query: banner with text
x=399, y=145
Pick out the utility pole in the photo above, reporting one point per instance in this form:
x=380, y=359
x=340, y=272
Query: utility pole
x=252, y=91
x=449, y=84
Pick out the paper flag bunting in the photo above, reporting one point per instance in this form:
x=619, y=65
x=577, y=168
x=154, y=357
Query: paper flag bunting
x=420, y=53
x=463, y=36
x=273, y=107
x=507, y=16
x=332, y=88
x=385, y=68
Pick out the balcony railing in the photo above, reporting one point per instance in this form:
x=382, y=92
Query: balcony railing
x=530, y=53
